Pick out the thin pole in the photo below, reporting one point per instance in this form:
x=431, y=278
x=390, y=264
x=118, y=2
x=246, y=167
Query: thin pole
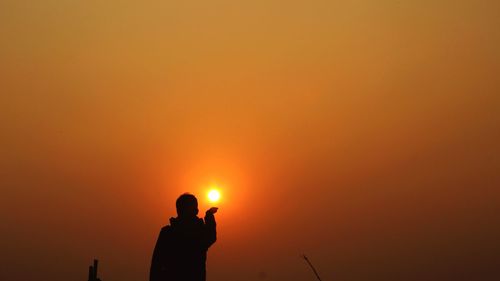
x=312, y=267
x=95, y=268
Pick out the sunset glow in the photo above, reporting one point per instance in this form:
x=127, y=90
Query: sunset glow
x=362, y=134
x=213, y=195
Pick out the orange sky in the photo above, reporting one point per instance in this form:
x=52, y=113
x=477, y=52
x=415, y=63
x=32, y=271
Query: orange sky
x=365, y=134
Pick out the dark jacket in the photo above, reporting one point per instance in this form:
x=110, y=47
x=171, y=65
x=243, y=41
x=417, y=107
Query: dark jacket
x=181, y=250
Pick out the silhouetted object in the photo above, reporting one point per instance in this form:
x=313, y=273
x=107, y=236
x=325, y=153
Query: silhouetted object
x=181, y=249
x=312, y=267
x=93, y=272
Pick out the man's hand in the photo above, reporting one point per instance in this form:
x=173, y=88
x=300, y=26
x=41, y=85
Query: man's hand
x=212, y=211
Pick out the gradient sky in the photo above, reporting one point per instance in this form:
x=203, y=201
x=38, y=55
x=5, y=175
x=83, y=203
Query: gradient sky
x=365, y=134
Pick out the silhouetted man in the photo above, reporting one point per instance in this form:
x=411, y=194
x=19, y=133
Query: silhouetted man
x=181, y=250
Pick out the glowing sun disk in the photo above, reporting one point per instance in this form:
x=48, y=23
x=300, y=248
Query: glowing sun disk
x=213, y=195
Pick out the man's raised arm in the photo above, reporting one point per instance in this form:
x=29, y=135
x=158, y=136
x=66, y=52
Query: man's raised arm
x=210, y=227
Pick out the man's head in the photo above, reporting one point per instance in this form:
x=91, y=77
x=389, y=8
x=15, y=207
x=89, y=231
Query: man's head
x=187, y=206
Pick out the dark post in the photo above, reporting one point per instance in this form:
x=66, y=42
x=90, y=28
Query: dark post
x=95, y=268
x=93, y=272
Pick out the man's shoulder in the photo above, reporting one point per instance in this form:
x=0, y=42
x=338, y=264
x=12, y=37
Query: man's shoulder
x=165, y=230
x=168, y=227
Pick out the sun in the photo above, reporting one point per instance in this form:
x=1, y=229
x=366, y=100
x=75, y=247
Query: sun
x=213, y=195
